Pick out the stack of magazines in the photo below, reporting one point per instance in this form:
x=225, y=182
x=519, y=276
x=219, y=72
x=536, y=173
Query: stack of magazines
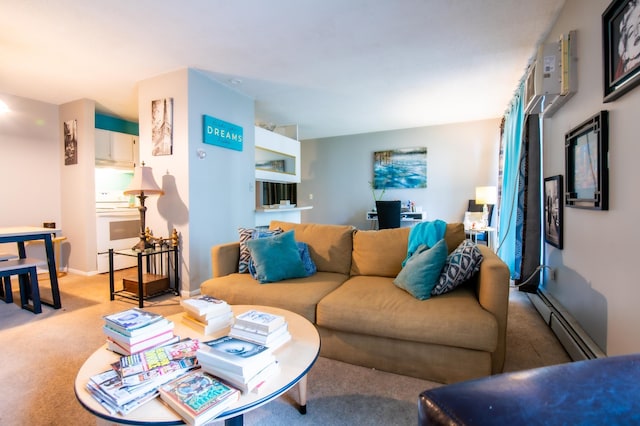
x=135, y=330
x=262, y=328
x=135, y=379
x=243, y=364
x=206, y=314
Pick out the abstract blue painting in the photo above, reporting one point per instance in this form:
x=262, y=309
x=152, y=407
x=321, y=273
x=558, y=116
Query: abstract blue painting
x=400, y=168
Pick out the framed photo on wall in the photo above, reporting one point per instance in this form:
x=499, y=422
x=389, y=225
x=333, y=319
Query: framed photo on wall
x=162, y=126
x=400, y=168
x=553, y=210
x=620, y=24
x=587, y=164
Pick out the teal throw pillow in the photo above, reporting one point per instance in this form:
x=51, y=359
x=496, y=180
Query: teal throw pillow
x=305, y=256
x=422, y=271
x=276, y=258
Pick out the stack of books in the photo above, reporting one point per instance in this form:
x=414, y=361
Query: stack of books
x=243, y=364
x=136, y=330
x=135, y=379
x=262, y=328
x=207, y=314
x=198, y=397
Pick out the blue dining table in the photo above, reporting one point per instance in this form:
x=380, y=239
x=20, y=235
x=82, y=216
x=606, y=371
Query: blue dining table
x=20, y=234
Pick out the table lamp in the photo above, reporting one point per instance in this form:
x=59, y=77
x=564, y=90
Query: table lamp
x=486, y=195
x=141, y=186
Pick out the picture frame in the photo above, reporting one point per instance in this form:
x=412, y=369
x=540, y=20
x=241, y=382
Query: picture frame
x=587, y=164
x=400, y=168
x=621, y=59
x=553, y=216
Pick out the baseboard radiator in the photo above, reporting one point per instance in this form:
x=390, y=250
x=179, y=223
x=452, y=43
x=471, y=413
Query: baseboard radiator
x=573, y=338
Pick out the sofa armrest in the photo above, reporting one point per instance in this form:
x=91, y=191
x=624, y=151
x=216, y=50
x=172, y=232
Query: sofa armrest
x=224, y=259
x=493, y=295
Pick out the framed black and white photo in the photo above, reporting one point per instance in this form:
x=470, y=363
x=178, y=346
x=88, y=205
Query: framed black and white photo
x=587, y=164
x=162, y=126
x=620, y=27
x=70, y=142
x=553, y=210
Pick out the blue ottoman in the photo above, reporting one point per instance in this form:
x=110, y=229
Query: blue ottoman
x=602, y=391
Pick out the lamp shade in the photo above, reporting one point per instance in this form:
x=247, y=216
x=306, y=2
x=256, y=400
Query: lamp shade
x=143, y=182
x=486, y=195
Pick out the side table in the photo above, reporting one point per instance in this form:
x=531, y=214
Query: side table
x=158, y=264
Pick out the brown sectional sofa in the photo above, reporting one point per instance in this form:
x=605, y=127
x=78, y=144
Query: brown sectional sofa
x=364, y=319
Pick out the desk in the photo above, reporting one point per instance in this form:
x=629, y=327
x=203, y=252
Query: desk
x=491, y=235
x=20, y=234
x=406, y=218
x=295, y=357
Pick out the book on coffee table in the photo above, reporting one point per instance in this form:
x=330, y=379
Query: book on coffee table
x=261, y=322
x=198, y=397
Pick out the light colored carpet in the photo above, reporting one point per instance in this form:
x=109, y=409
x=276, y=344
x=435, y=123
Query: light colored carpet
x=42, y=354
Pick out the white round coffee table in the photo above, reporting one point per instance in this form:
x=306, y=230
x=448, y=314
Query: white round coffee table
x=295, y=358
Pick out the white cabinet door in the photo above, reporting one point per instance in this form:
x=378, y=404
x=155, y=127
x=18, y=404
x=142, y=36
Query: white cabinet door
x=122, y=146
x=103, y=144
x=116, y=148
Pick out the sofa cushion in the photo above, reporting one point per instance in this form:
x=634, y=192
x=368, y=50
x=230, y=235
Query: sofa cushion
x=454, y=235
x=329, y=245
x=379, y=252
x=299, y=295
x=276, y=258
x=245, y=235
x=459, y=267
x=421, y=272
x=375, y=306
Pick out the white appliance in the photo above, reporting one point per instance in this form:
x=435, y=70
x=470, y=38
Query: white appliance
x=117, y=228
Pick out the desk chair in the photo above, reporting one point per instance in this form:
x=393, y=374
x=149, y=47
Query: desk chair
x=388, y=214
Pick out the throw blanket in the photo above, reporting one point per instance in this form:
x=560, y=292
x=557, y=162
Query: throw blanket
x=428, y=233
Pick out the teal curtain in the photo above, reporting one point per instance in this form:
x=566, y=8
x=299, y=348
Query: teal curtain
x=510, y=220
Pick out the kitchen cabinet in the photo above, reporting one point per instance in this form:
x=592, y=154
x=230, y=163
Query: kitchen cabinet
x=115, y=148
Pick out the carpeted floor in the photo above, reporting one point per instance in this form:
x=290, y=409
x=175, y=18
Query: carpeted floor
x=43, y=353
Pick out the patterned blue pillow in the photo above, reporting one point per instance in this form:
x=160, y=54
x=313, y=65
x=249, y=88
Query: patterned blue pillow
x=303, y=250
x=247, y=234
x=461, y=265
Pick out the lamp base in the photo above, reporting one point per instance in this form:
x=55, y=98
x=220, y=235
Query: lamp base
x=142, y=245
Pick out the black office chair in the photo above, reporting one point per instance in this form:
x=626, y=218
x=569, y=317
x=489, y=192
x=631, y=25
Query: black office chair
x=388, y=214
x=473, y=207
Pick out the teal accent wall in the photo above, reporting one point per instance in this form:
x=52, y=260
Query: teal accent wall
x=106, y=122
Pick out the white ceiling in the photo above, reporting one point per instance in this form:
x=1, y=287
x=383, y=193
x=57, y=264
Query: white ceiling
x=333, y=67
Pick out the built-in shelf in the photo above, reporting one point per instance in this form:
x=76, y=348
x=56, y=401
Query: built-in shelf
x=284, y=210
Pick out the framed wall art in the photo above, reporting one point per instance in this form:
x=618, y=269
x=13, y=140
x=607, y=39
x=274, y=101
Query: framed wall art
x=400, y=168
x=621, y=52
x=587, y=164
x=70, y=142
x=553, y=210
x=162, y=126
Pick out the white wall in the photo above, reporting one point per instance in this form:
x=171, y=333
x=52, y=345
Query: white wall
x=78, y=189
x=206, y=200
x=29, y=164
x=336, y=171
x=596, y=279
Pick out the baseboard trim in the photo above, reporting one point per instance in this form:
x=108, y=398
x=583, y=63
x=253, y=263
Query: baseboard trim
x=573, y=338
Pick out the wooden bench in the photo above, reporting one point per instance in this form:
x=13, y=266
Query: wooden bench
x=26, y=268
x=5, y=290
